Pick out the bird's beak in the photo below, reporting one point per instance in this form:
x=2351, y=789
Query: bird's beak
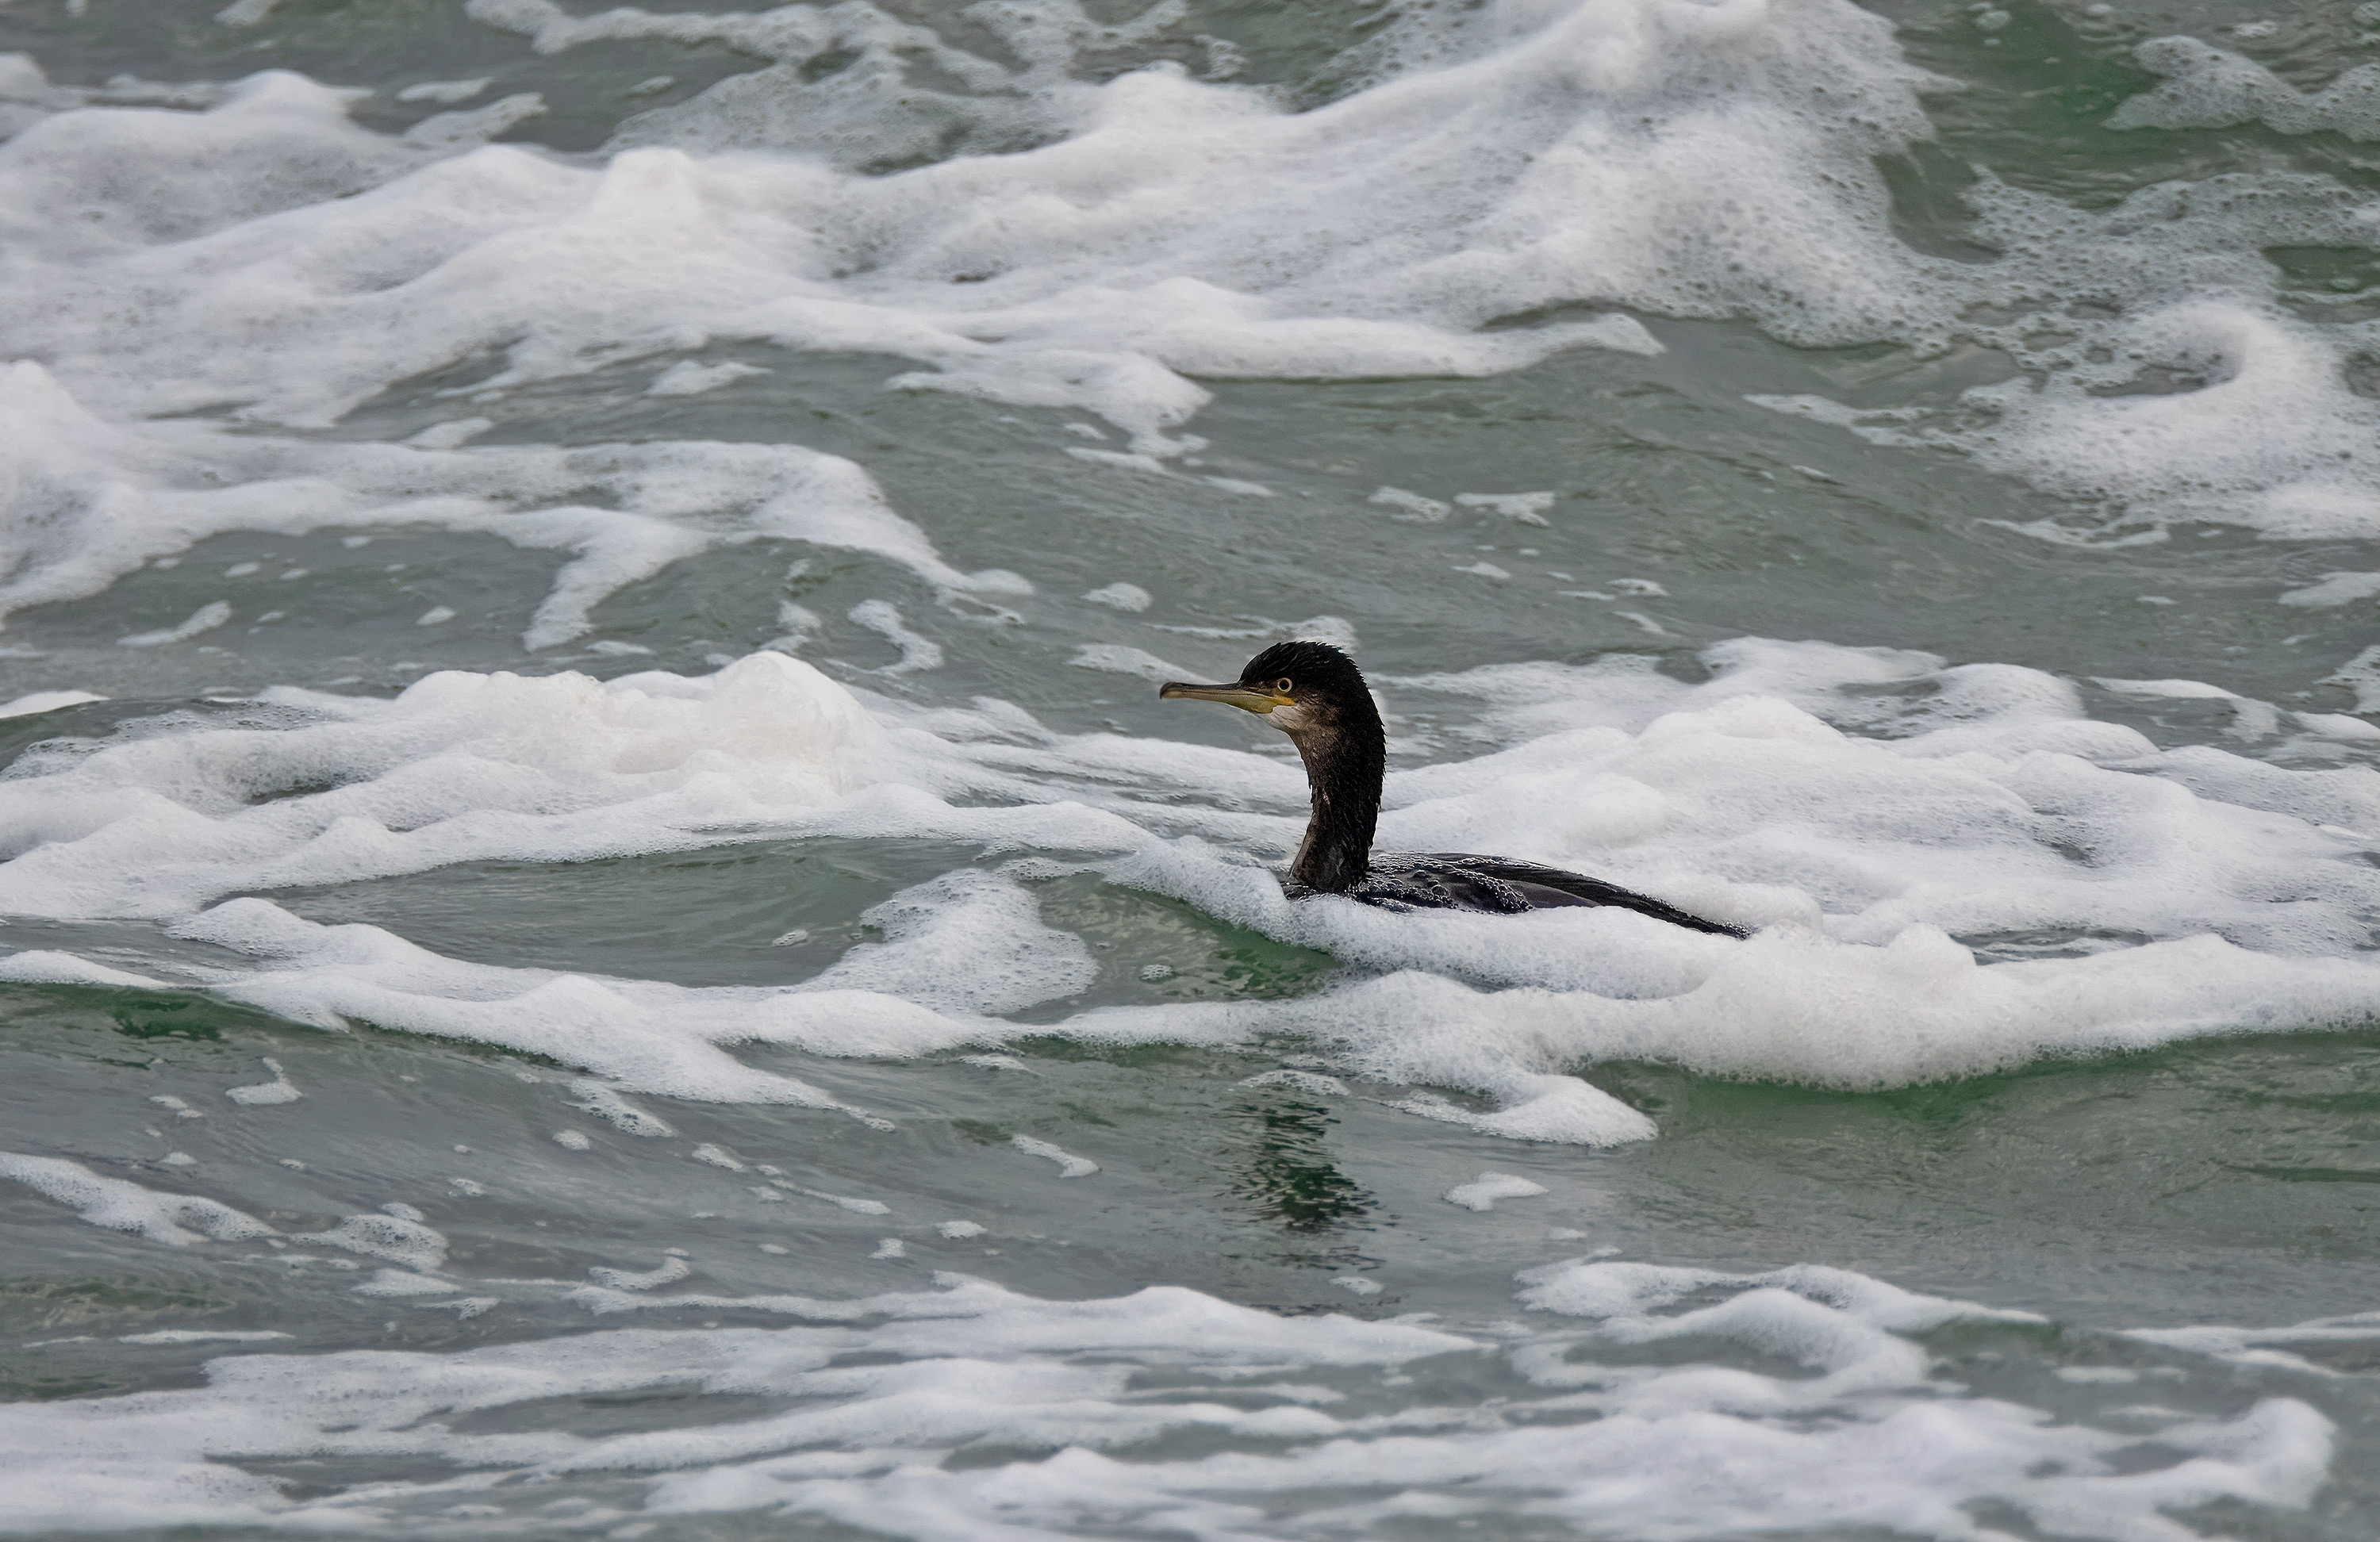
x=1246, y=700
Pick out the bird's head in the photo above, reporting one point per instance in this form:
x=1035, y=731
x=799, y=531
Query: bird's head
x=1297, y=687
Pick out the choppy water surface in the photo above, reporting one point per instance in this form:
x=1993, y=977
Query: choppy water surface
x=604, y=935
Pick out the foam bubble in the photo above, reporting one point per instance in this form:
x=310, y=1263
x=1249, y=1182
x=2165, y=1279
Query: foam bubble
x=206, y=618
x=1408, y=505
x=1117, y=659
x=669, y=1272
x=917, y=653
x=1482, y=1192
x=399, y=1238
x=46, y=701
x=175, y=1220
x=1312, y=1083
x=280, y=1089
x=2334, y=589
x=841, y=1201
x=604, y=1103
x=1120, y=596
x=686, y=377
x=1526, y=508
x=1069, y=1165
x=445, y=93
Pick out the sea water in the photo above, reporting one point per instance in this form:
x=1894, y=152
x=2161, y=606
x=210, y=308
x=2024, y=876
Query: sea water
x=604, y=935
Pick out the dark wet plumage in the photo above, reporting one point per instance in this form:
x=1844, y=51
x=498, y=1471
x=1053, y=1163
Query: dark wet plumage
x=1315, y=695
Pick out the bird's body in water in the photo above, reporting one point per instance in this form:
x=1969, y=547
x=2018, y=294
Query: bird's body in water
x=1314, y=694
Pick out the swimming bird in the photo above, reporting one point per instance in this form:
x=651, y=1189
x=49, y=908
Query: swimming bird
x=1315, y=695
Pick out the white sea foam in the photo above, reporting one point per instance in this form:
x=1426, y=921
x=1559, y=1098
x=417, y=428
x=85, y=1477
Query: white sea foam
x=1852, y=1330
x=280, y=1089
x=2265, y=1346
x=604, y=1103
x=1408, y=505
x=857, y=1205
x=206, y=618
x=1993, y=807
x=1310, y=1082
x=464, y=240
x=1482, y=1192
x=46, y=967
x=968, y=1362
x=969, y=943
x=1507, y=163
x=869, y=1394
x=1528, y=508
x=399, y=1237
x=2206, y=87
x=2203, y=893
x=655, y=1037
x=766, y=737
x=95, y=500
x=46, y=701
x=175, y=1219
x=1069, y=1165
x=1175, y=289
x=266, y=259
x=446, y=93
x=686, y=377
x=917, y=653
x=1117, y=659
x=669, y=1272
x=405, y=1284
x=2334, y=589
x=451, y=435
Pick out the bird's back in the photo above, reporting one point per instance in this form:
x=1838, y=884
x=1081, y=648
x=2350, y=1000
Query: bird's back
x=1458, y=881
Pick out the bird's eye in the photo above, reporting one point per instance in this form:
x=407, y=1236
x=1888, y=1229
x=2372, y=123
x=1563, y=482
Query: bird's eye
x=1282, y=686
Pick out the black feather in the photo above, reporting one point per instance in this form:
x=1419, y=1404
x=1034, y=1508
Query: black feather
x=1339, y=734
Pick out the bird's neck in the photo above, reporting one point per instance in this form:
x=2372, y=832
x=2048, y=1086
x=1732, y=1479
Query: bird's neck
x=1343, y=766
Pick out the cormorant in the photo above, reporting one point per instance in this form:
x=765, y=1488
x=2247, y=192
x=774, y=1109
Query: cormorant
x=1314, y=693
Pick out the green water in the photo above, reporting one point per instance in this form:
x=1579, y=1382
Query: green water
x=2230, y=1178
